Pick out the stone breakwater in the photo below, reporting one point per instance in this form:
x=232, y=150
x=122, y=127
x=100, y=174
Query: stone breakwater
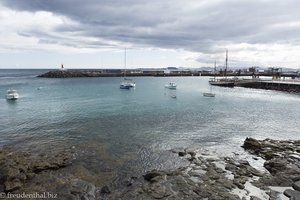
x=207, y=176
x=281, y=85
x=72, y=74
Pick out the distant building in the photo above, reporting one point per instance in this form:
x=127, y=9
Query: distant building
x=261, y=71
x=252, y=69
x=136, y=71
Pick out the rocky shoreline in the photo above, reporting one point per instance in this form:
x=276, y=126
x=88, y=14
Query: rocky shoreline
x=207, y=176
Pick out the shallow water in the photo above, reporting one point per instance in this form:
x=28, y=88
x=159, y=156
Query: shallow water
x=138, y=125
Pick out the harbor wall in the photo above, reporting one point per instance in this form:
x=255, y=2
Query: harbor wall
x=272, y=85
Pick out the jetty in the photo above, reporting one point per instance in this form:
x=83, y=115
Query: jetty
x=292, y=85
x=159, y=72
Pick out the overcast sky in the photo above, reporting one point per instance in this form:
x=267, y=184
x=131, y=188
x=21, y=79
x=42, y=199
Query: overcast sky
x=156, y=33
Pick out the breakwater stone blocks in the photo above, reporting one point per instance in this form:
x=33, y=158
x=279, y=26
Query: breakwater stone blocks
x=70, y=74
x=285, y=86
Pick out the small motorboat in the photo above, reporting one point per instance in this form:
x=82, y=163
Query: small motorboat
x=124, y=86
x=171, y=86
x=12, y=94
x=208, y=94
x=127, y=84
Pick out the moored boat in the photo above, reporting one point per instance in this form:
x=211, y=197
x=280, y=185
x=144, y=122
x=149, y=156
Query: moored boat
x=12, y=94
x=208, y=94
x=222, y=82
x=171, y=86
x=126, y=83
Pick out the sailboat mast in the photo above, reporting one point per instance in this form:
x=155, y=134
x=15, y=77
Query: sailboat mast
x=125, y=62
x=215, y=66
x=226, y=62
x=215, y=72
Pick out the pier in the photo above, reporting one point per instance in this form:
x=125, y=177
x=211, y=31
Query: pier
x=280, y=85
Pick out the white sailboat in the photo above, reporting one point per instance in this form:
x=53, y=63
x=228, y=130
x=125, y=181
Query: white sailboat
x=223, y=82
x=126, y=83
x=209, y=94
x=171, y=86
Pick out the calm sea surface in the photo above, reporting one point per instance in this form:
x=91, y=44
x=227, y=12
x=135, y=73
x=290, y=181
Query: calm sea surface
x=142, y=122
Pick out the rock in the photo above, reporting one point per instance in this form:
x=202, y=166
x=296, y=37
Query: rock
x=273, y=195
x=192, y=153
x=105, y=190
x=181, y=153
x=292, y=194
x=18, y=168
x=13, y=185
x=251, y=144
x=296, y=185
x=275, y=165
x=254, y=171
x=156, y=179
x=239, y=185
x=212, y=174
x=288, y=192
x=83, y=190
x=158, y=191
x=150, y=175
x=254, y=198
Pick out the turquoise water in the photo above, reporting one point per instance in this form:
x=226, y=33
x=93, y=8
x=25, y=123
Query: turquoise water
x=94, y=110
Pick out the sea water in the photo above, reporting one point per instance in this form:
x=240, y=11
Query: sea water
x=141, y=123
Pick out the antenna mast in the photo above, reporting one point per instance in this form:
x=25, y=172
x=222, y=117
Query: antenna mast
x=226, y=62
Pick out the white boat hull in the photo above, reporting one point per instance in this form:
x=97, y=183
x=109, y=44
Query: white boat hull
x=171, y=86
x=127, y=84
x=12, y=96
x=209, y=94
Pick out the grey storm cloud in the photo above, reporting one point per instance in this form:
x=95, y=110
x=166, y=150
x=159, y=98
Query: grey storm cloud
x=199, y=26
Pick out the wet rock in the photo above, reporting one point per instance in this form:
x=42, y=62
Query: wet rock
x=158, y=191
x=252, y=144
x=83, y=190
x=12, y=185
x=278, y=180
x=239, y=184
x=154, y=173
x=254, y=198
x=275, y=165
x=282, y=161
x=212, y=174
x=254, y=171
x=18, y=168
x=182, y=153
x=192, y=153
x=296, y=185
x=105, y=190
x=273, y=195
x=292, y=194
x=130, y=181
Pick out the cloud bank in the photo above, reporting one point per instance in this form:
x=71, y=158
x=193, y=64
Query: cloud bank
x=258, y=32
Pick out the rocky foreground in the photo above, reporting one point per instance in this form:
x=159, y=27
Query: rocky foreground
x=207, y=176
